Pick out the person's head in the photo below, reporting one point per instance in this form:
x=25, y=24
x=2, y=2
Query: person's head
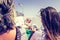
x=6, y=15
x=34, y=27
x=51, y=20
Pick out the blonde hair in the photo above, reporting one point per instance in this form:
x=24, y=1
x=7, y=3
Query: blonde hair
x=8, y=15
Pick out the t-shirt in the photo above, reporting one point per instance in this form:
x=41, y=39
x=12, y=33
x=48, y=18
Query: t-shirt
x=38, y=35
x=28, y=32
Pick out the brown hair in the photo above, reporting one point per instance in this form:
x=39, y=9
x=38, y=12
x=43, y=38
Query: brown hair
x=51, y=21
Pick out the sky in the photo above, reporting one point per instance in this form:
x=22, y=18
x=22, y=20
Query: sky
x=32, y=7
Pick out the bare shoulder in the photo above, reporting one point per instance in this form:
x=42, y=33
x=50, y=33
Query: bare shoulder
x=9, y=35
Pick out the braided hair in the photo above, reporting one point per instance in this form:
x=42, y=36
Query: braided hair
x=6, y=15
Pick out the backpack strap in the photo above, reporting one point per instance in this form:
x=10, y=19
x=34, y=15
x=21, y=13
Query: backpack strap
x=18, y=34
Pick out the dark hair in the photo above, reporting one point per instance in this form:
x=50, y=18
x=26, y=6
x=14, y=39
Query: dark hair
x=51, y=20
x=6, y=15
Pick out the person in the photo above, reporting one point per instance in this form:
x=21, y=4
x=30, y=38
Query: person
x=28, y=28
x=34, y=28
x=8, y=30
x=51, y=23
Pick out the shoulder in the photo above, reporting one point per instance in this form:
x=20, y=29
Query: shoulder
x=38, y=35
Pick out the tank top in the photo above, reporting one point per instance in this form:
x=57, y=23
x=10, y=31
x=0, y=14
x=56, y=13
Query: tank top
x=18, y=34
